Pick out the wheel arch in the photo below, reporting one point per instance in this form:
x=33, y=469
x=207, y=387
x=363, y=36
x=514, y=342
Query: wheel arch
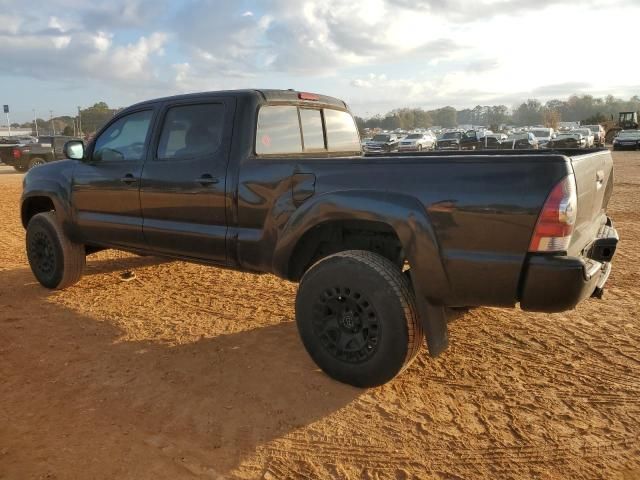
x=399, y=216
x=39, y=201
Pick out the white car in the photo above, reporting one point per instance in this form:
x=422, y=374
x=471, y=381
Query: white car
x=416, y=142
x=543, y=135
x=588, y=135
x=599, y=133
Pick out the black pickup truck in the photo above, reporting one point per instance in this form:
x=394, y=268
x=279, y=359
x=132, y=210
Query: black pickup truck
x=24, y=157
x=384, y=245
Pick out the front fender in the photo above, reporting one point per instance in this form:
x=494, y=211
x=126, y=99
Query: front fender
x=407, y=217
x=52, y=181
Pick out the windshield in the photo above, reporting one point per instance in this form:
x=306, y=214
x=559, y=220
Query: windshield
x=634, y=134
x=381, y=138
x=413, y=136
x=450, y=135
x=594, y=128
x=568, y=135
x=584, y=131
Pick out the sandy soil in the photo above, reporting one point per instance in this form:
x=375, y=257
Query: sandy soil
x=194, y=372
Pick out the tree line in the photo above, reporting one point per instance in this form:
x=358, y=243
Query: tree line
x=90, y=120
x=585, y=108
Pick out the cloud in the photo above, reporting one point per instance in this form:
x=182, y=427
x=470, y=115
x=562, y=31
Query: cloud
x=57, y=53
x=426, y=52
x=561, y=89
x=483, y=10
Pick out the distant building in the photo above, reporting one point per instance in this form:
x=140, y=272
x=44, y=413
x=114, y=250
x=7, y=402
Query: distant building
x=4, y=131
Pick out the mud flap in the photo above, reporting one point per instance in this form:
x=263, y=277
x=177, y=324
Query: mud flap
x=434, y=325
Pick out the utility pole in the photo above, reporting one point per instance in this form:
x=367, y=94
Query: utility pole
x=35, y=122
x=79, y=122
x=53, y=126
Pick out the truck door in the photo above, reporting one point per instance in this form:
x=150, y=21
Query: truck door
x=182, y=191
x=105, y=187
x=58, y=147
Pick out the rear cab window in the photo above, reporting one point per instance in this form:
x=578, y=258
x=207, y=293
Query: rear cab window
x=292, y=129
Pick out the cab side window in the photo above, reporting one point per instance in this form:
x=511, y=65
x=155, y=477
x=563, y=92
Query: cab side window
x=191, y=131
x=125, y=139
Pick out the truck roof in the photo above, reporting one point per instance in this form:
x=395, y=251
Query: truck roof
x=268, y=95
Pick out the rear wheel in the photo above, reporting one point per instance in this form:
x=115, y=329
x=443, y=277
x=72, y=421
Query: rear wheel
x=56, y=261
x=36, y=162
x=357, y=318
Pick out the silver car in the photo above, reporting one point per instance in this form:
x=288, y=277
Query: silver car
x=416, y=142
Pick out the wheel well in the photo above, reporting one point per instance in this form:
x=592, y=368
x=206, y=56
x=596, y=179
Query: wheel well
x=332, y=237
x=34, y=205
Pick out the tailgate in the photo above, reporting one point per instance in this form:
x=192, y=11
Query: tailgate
x=594, y=181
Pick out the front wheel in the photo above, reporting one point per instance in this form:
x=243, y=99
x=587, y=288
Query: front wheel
x=20, y=169
x=56, y=261
x=357, y=318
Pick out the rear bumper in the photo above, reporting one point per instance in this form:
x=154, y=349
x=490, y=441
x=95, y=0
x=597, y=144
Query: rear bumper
x=21, y=163
x=559, y=283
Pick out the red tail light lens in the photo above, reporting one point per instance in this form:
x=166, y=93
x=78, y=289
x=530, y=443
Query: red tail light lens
x=557, y=218
x=16, y=153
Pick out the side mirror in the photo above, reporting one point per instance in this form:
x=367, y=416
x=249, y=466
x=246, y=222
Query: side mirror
x=74, y=149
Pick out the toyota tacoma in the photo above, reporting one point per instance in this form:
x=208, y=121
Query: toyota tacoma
x=384, y=246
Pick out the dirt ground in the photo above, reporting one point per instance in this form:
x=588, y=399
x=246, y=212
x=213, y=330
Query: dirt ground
x=195, y=372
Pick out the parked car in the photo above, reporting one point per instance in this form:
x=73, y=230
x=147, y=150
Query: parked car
x=543, y=136
x=417, y=142
x=27, y=156
x=274, y=181
x=627, y=140
x=568, y=140
x=589, y=138
x=520, y=141
x=383, y=142
x=474, y=139
x=494, y=141
x=599, y=134
x=449, y=141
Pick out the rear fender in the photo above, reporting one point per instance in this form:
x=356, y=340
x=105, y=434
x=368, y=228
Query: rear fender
x=406, y=216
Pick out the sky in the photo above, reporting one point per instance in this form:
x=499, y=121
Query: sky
x=375, y=54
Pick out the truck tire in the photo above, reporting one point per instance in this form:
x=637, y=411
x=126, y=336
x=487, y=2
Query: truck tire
x=56, y=261
x=357, y=318
x=36, y=162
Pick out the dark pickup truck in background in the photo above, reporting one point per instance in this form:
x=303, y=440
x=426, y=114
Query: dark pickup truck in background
x=7, y=144
x=24, y=157
x=383, y=245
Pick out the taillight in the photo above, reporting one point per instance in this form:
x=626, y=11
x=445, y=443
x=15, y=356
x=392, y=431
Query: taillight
x=557, y=218
x=308, y=96
x=16, y=153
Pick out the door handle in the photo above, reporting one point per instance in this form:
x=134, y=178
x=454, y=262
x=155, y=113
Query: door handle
x=128, y=179
x=207, y=179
